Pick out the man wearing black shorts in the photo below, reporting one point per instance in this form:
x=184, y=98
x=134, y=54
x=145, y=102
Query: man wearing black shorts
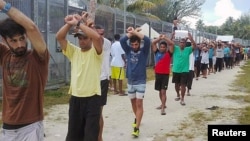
x=105, y=73
x=162, y=67
x=181, y=66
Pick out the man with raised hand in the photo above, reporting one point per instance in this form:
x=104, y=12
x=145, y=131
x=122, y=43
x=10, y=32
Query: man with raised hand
x=137, y=57
x=85, y=90
x=25, y=73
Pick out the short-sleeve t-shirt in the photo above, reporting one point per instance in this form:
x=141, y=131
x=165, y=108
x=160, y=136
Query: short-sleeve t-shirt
x=181, y=59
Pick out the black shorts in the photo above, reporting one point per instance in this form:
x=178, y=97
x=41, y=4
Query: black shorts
x=175, y=28
x=210, y=62
x=84, y=113
x=204, y=66
x=104, y=91
x=161, y=81
x=197, y=63
x=180, y=78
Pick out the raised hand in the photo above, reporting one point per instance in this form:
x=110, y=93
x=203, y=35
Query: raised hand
x=130, y=29
x=138, y=29
x=87, y=19
x=71, y=19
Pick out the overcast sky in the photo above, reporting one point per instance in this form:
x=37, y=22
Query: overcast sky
x=215, y=12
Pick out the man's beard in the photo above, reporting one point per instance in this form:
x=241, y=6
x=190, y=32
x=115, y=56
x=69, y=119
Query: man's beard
x=20, y=51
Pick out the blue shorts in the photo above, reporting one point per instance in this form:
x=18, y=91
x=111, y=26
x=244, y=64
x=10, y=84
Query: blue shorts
x=136, y=91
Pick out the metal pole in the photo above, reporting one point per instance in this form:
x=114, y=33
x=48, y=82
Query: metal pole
x=34, y=14
x=124, y=17
x=66, y=64
x=47, y=25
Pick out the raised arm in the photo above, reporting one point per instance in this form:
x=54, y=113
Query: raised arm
x=154, y=44
x=32, y=30
x=169, y=42
x=87, y=26
x=190, y=37
x=62, y=33
x=138, y=33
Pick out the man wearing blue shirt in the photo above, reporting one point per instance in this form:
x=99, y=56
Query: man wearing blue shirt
x=137, y=57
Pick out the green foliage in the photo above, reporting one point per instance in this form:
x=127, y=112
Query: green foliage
x=141, y=6
x=243, y=79
x=200, y=25
x=178, y=8
x=58, y=96
x=243, y=84
x=239, y=28
x=245, y=116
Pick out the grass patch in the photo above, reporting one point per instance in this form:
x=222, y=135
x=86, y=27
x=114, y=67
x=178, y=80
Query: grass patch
x=244, y=118
x=196, y=124
x=58, y=96
x=242, y=82
x=212, y=95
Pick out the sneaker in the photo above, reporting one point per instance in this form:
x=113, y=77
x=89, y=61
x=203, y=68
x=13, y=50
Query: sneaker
x=134, y=124
x=136, y=132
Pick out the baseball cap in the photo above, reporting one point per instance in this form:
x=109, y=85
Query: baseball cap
x=79, y=33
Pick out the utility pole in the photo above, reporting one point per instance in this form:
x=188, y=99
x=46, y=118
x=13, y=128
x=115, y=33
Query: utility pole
x=124, y=16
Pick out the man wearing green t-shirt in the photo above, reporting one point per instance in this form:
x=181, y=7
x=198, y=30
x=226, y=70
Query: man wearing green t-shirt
x=181, y=66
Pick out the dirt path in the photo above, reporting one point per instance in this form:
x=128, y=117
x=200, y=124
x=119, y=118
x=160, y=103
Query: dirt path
x=178, y=122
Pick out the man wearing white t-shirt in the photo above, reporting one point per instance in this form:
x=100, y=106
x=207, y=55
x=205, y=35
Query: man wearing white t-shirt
x=105, y=73
x=117, y=65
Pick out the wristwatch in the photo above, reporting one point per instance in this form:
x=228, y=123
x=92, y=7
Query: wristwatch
x=6, y=8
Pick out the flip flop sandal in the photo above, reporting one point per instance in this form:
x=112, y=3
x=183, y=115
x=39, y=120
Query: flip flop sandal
x=122, y=94
x=159, y=107
x=183, y=103
x=177, y=98
x=163, y=113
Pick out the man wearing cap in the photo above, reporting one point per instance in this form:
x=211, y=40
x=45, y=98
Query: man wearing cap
x=84, y=104
x=180, y=68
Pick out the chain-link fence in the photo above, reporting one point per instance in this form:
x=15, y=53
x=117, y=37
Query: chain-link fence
x=49, y=16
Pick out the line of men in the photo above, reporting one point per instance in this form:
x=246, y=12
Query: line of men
x=25, y=74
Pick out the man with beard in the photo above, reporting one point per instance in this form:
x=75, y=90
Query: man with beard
x=24, y=76
x=137, y=57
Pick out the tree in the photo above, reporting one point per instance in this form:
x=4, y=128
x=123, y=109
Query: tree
x=178, y=8
x=143, y=6
x=200, y=25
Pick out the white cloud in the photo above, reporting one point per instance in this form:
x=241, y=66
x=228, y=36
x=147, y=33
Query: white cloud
x=217, y=15
x=222, y=10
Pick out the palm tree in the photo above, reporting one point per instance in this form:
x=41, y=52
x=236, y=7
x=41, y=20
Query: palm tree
x=200, y=25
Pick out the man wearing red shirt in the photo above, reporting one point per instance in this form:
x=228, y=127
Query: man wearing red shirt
x=162, y=67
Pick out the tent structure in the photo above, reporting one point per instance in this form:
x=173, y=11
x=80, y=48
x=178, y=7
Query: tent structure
x=149, y=31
